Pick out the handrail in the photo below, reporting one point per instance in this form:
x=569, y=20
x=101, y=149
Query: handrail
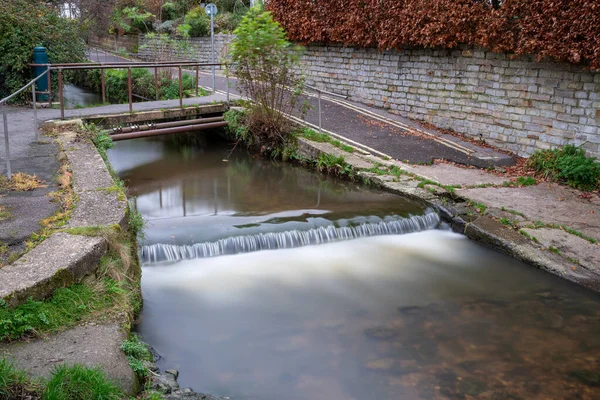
x=125, y=64
x=316, y=89
x=4, y=100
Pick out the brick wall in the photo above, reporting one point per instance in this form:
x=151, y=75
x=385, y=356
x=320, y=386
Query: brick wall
x=196, y=48
x=519, y=105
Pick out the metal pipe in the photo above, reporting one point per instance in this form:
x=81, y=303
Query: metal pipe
x=197, y=82
x=130, y=90
x=320, y=125
x=124, y=64
x=180, y=89
x=60, y=94
x=103, y=84
x=227, y=83
x=6, y=144
x=35, y=124
x=172, y=124
x=168, y=131
x=156, y=83
x=49, y=87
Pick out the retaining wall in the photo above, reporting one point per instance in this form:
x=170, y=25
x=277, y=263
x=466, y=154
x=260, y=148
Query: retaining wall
x=516, y=104
x=519, y=105
x=195, y=48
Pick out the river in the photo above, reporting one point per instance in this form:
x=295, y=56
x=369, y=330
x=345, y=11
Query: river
x=264, y=280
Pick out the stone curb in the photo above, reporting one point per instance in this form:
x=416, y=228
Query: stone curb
x=64, y=259
x=482, y=229
x=58, y=261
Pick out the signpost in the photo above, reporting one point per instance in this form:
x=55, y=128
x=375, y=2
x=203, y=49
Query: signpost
x=212, y=10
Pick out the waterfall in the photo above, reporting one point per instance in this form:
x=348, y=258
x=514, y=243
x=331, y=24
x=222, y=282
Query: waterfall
x=285, y=240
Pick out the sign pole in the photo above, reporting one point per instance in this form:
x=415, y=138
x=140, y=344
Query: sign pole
x=211, y=10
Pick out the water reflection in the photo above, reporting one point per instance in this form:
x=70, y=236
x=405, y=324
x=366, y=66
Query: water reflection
x=199, y=194
x=429, y=315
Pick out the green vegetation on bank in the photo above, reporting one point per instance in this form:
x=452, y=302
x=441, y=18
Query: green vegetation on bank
x=143, y=84
x=66, y=383
x=138, y=354
x=567, y=164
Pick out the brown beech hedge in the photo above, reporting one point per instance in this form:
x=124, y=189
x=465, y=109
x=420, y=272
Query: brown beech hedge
x=565, y=30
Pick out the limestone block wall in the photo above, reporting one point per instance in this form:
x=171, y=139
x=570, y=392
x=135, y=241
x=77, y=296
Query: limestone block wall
x=195, y=48
x=516, y=104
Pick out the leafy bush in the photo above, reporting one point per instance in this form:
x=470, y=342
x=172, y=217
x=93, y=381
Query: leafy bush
x=80, y=383
x=198, y=21
x=25, y=24
x=566, y=30
x=568, y=164
x=266, y=65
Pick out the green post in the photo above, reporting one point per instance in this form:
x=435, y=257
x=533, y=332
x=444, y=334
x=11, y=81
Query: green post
x=40, y=56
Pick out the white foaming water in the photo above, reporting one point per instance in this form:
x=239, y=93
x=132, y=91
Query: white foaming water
x=265, y=324
x=367, y=261
x=285, y=240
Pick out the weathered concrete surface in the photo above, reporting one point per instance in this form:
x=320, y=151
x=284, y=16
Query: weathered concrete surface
x=547, y=202
x=99, y=208
x=90, y=345
x=58, y=261
x=501, y=238
x=99, y=201
x=26, y=213
x=585, y=253
x=312, y=150
x=89, y=169
x=447, y=174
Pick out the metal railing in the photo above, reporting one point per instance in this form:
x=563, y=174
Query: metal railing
x=180, y=65
x=319, y=92
x=129, y=66
x=4, y=105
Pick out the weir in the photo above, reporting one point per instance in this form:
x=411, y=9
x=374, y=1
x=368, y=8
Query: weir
x=285, y=240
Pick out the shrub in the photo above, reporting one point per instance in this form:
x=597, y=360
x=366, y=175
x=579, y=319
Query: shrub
x=566, y=30
x=80, y=383
x=25, y=24
x=265, y=68
x=198, y=21
x=568, y=164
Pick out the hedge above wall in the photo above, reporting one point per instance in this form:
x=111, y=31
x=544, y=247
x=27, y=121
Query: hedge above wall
x=565, y=30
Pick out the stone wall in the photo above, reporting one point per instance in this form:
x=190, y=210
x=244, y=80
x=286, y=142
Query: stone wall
x=129, y=43
x=519, y=105
x=196, y=48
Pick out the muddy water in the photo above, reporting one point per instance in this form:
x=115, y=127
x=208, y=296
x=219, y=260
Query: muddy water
x=426, y=315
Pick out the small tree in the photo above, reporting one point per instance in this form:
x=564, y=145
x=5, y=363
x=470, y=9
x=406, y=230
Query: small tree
x=266, y=65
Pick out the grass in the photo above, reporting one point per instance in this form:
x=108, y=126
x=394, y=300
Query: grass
x=540, y=224
x=336, y=165
x=14, y=383
x=5, y=213
x=315, y=136
x=554, y=250
x=480, y=207
x=507, y=222
x=528, y=236
x=513, y=212
x=569, y=165
x=526, y=181
x=80, y=383
x=21, y=182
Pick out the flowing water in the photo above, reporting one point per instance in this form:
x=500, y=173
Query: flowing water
x=331, y=291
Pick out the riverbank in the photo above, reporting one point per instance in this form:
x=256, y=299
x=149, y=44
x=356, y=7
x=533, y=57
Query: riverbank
x=547, y=225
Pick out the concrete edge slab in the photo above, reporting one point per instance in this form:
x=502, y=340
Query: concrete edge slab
x=59, y=261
